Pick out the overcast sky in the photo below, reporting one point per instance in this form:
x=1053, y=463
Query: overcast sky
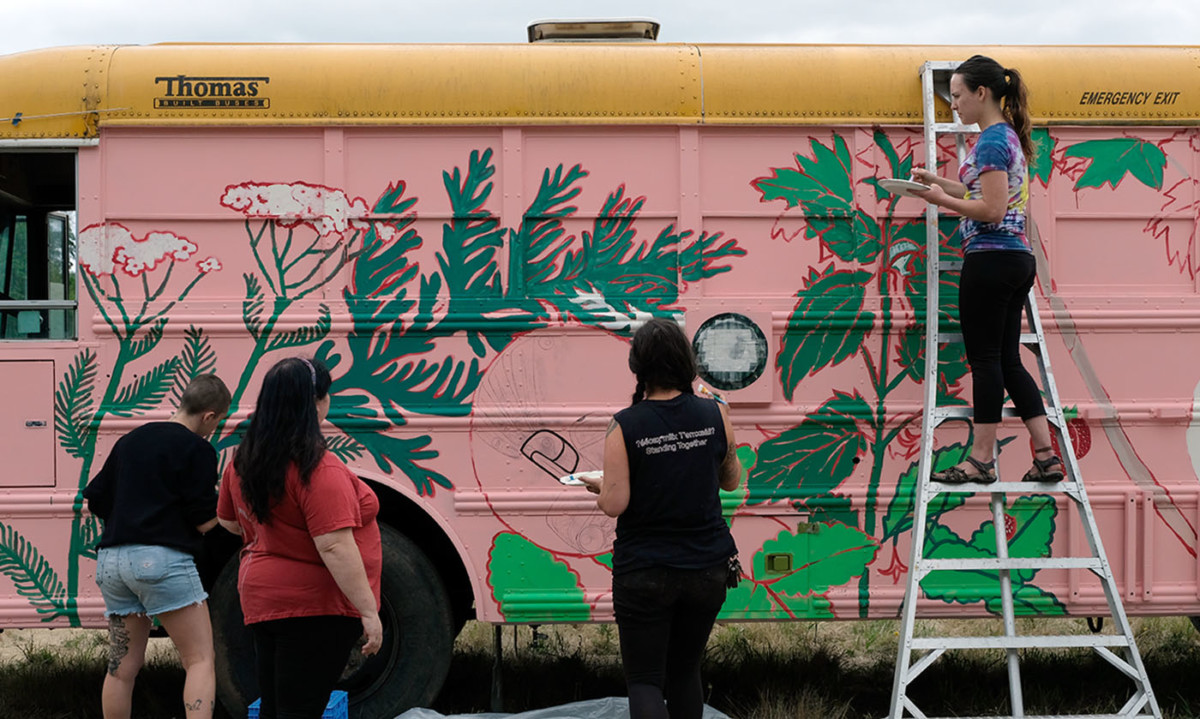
x=30, y=24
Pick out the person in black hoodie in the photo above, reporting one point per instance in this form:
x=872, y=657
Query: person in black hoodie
x=157, y=496
x=665, y=457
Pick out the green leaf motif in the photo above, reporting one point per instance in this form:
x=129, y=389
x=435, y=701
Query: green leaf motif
x=197, y=358
x=697, y=259
x=31, y=574
x=814, y=457
x=89, y=535
x=1112, y=159
x=536, y=248
x=853, y=239
x=1035, y=518
x=632, y=276
x=471, y=242
x=354, y=415
x=345, y=448
x=748, y=600
x=822, y=186
x=302, y=336
x=899, y=517
x=146, y=391
x=1029, y=600
x=73, y=404
x=898, y=167
x=755, y=600
x=1042, y=163
x=149, y=339
x=252, y=306
x=827, y=326
x=821, y=182
x=960, y=587
x=531, y=584
x=830, y=556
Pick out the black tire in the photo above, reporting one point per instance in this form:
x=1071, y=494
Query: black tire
x=408, y=671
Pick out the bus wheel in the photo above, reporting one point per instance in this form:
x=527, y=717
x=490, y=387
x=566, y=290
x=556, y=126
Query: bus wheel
x=408, y=671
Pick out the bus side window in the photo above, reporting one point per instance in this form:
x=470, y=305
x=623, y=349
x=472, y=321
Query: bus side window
x=37, y=246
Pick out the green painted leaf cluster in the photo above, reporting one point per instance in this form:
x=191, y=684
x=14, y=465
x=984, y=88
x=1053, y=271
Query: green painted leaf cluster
x=90, y=529
x=827, y=326
x=148, y=340
x=829, y=556
x=196, y=358
x=899, y=517
x=73, y=404
x=1041, y=165
x=825, y=556
x=822, y=186
x=1035, y=517
x=814, y=457
x=530, y=584
x=1114, y=158
x=605, y=277
x=820, y=181
x=302, y=336
x=31, y=575
x=146, y=391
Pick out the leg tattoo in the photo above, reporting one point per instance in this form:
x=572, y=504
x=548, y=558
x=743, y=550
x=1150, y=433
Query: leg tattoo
x=118, y=643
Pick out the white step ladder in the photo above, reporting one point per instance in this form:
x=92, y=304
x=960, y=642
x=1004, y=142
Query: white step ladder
x=1119, y=647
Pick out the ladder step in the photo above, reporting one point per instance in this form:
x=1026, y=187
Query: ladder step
x=996, y=563
x=954, y=128
x=950, y=265
x=1027, y=338
x=940, y=414
x=1017, y=487
x=1058, y=716
x=1046, y=641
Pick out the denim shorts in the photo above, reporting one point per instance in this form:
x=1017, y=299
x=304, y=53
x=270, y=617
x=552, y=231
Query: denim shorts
x=147, y=579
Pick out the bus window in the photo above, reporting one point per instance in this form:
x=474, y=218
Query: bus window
x=37, y=246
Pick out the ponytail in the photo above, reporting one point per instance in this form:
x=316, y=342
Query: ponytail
x=1008, y=88
x=1016, y=111
x=639, y=392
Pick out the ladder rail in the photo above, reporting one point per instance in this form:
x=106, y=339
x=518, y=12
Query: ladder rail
x=900, y=701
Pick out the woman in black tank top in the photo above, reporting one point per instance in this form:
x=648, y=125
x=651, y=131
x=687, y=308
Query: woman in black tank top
x=665, y=457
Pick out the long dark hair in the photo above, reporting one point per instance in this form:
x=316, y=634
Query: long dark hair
x=283, y=429
x=661, y=357
x=1009, y=90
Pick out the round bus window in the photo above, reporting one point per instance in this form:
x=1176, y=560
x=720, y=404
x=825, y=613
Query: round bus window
x=731, y=351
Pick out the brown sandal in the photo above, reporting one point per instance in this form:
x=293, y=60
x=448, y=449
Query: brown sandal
x=957, y=475
x=1042, y=468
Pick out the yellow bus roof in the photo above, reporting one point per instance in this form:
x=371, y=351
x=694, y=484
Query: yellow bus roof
x=73, y=92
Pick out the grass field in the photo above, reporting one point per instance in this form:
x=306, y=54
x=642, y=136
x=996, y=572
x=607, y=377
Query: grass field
x=753, y=671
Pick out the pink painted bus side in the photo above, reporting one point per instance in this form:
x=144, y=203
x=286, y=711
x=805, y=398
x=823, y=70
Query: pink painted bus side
x=472, y=285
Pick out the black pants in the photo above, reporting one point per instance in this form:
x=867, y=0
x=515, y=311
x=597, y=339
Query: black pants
x=664, y=617
x=300, y=661
x=991, y=300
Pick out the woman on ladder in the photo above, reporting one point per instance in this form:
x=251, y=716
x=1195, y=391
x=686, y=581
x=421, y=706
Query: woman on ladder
x=998, y=264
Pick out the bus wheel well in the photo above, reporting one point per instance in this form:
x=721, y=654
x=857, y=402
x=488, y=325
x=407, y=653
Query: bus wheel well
x=407, y=517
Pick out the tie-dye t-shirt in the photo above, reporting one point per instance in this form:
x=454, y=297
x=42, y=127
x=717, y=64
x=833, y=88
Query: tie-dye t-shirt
x=998, y=148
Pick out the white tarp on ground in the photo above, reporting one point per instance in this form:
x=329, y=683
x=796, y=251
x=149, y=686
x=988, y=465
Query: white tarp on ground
x=610, y=708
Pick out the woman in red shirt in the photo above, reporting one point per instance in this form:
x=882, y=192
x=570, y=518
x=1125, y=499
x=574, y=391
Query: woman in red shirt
x=311, y=554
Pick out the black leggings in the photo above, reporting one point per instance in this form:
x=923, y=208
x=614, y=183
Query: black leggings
x=991, y=300
x=299, y=661
x=664, y=616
